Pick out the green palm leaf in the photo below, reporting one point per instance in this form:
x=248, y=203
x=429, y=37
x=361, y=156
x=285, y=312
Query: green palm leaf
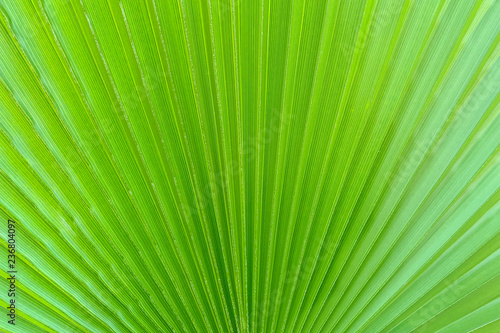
x=250, y=166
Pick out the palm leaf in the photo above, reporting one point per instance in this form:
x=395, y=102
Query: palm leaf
x=250, y=166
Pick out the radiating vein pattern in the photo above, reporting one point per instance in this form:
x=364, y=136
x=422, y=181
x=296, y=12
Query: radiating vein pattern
x=251, y=166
